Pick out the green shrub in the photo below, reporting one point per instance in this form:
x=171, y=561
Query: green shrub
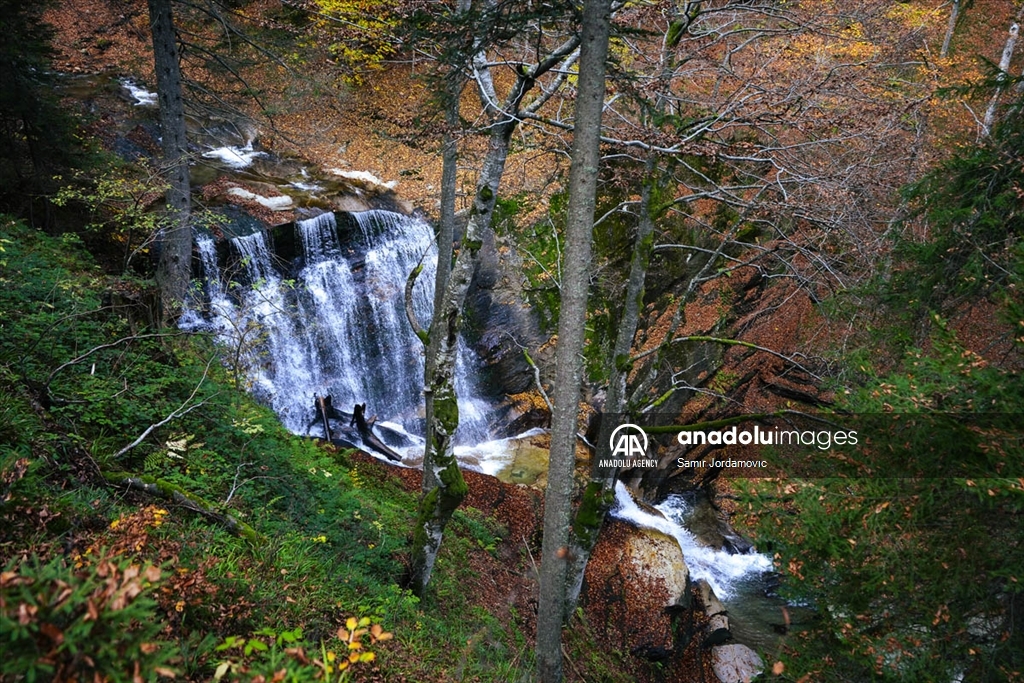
x=97, y=621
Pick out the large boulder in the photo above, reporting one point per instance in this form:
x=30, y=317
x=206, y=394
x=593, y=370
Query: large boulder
x=735, y=663
x=636, y=582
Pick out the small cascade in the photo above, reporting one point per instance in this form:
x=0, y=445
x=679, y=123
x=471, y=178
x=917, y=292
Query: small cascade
x=725, y=572
x=335, y=323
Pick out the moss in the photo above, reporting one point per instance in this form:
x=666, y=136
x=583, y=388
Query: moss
x=425, y=513
x=675, y=33
x=590, y=514
x=623, y=362
x=485, y=195
x=446, y=411
x=454, y=483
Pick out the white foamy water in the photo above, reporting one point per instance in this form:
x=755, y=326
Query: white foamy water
x=143, y=97
x=721, y=569
x=333, y=328
x=235, y=157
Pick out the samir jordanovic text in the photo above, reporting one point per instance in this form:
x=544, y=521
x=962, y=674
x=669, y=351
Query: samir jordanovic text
x=823, y=439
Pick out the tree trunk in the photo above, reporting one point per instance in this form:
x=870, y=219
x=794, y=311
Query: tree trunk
x=1004, y=66
x=444, y=486
x=598, y=494
x=571, y=321
x=445, y=237
x=174, y=267
x=954, y=14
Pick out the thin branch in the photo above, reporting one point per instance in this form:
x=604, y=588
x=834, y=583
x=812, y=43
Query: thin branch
x=410, y=282
x=180, y=411
x=112, y=344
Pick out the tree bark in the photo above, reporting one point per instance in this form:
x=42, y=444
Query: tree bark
x=443, y=484
x=572, y=318
x=599, y=493
x=175, y=264
x=954, y=14
x=1004, y=66
x=445, y=238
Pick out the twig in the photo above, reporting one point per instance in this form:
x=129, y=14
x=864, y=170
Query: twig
x=176, y=413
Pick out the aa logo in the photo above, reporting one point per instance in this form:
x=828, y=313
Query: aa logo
x=628, y=441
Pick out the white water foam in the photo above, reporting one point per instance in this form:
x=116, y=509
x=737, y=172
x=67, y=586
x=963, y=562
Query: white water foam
x=143, y=97
x=332, y=331
x=721, y=569
x=235, y=157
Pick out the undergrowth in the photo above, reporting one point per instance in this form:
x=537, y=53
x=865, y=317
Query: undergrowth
x=81, y=379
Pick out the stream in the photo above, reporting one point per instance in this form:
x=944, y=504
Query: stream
x=326, y=317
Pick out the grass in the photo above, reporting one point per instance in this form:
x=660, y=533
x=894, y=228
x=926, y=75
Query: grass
x=333, y=531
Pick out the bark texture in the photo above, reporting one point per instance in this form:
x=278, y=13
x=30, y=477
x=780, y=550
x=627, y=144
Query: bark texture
x=572, y=318
x=174, y=267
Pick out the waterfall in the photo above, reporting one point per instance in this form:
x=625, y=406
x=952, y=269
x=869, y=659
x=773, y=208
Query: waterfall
x=334, y=322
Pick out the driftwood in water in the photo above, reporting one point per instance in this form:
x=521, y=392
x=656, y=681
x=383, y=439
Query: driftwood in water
x=366, y=432
x=325, y=412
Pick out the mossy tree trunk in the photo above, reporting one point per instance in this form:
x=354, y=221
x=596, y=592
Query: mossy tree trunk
x=443, y=485
x=598, y=495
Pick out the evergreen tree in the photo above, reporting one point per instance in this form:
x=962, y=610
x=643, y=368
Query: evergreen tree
x=35, y=140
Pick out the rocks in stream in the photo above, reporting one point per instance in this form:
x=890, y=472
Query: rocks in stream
x=731, y=662
x=735, y=663
x=636, y=582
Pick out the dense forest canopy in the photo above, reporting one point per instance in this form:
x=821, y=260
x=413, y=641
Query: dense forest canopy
x=802, y=210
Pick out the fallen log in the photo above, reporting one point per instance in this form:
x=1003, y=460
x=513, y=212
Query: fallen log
x=175, y=494
x=717, y=630
x=365, y=430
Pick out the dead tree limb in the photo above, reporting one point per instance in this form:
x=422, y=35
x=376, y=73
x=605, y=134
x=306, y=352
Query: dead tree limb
x=165, y=490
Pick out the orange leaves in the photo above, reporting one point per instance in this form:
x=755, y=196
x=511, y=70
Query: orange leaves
x=354, y=635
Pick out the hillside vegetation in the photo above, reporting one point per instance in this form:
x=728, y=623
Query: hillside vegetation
x=823, y=219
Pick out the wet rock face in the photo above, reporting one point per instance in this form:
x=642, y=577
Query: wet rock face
x=500, y=323
x=635, y=582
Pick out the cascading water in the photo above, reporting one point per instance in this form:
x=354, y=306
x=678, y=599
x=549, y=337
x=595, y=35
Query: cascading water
x=335, y=324
x=757, y=617
x=721, y=569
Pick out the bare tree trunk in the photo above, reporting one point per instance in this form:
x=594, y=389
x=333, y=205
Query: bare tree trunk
x=571, y=321
x=954, y=14
x=1004, y=66
x=175, y=263
x=597, y=496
